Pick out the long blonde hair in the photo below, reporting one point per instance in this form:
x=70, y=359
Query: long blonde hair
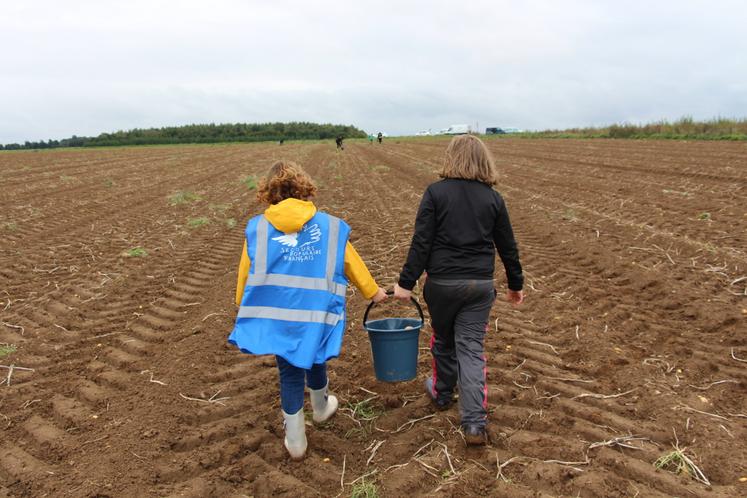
x=468, y=158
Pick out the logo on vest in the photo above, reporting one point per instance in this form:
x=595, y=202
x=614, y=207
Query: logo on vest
x=299, y=246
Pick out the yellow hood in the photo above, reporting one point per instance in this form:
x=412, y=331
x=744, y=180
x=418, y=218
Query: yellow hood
x=290, y=215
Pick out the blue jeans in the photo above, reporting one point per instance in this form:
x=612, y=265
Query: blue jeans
x=292, y=383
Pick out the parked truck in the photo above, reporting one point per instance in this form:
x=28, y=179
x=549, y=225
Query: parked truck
x=458, y=129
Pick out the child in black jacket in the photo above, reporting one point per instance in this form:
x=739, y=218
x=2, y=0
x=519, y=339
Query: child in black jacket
x=460, y=224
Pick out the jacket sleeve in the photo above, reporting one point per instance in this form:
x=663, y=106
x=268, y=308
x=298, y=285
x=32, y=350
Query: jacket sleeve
x=503, y=236
x=357, y=272
x=422, y=240
x=244, y=265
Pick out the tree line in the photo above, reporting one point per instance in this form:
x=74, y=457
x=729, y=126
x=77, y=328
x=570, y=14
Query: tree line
x=201, y=134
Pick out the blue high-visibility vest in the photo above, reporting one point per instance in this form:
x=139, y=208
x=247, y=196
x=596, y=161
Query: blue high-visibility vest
x=294, y=299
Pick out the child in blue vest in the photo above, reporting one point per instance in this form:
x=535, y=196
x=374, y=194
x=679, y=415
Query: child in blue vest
x=293, y=275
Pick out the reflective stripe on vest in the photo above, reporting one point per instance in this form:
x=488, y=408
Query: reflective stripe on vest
x=306, y=316
x=310, y=283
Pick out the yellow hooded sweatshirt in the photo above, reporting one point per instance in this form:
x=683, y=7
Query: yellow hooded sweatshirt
x=289, y=216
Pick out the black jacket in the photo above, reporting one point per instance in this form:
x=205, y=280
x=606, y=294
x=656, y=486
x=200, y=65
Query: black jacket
x=459, y=225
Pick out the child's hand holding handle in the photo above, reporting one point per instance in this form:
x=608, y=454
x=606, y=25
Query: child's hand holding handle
x=400, y=293
x=379, y=296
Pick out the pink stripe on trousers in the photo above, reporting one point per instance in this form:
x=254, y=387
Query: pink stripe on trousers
x=433, y=366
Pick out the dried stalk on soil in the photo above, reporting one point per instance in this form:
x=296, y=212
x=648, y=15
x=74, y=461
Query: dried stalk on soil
x=213, y=314
x=548, y=396
x=344, y=410
x=736, y=281
x=29, y=403
x=726, y=430
x=479, y=464
x=569, y=464
x=519, y=385
x=210, y=400
x=713, y=384
x=11, y=368
x=720, y=417
x=572, y=380
x=363, y=477
x=95, y=440
x=152, y=379
x=738, y=359
x=545, y=344
x=500, y=466
x=19, y=327
x=373, y=452
x=410, y=423
x=457, y=430
x=410, y=398
x=448, y=458
x=620, y=441
x=432, y=471
x=448, y=482
x=653, y=361
x=342, y=477
x=603, y=396
x=398, y=466
x=423, y=447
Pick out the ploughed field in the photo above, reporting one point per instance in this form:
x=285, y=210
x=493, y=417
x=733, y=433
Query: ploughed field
x=633, y=337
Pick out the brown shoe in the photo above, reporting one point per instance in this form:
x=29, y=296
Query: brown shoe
x=475, y=435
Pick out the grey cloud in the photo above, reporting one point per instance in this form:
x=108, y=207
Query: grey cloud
x=87, y=67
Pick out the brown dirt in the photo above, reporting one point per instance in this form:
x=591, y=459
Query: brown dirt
x=629, y=294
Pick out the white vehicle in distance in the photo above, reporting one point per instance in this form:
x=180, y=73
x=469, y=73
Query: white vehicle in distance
x=458, y=129
x=423, y=133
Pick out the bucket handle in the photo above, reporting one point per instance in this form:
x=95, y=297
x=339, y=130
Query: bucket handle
x=389, y=293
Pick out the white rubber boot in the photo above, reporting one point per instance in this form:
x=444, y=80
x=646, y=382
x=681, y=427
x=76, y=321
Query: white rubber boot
x=323, y=403
x=295, y=435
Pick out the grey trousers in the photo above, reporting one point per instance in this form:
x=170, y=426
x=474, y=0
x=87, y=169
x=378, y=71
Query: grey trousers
x=459, y=312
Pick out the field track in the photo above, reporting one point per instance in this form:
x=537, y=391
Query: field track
x=635, y=324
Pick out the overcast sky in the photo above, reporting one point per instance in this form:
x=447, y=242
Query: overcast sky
x=86, y=67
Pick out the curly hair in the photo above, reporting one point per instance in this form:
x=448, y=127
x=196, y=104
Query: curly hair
x=285, y=179
x=467, y=157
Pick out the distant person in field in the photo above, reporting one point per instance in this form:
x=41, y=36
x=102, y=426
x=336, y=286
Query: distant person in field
x=380, y=137
x=460, y=223
x=281, y=141
x=294, y=270
x=338, y=141
x=370, y=139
